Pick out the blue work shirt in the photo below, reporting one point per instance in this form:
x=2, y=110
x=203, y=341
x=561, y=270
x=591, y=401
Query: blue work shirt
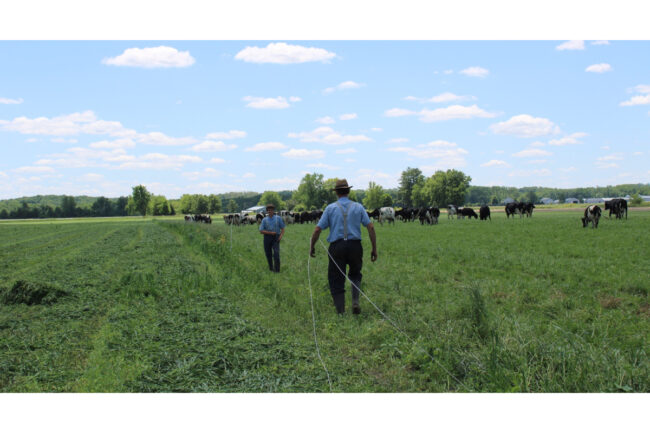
x=333, y=218
x=272, y=224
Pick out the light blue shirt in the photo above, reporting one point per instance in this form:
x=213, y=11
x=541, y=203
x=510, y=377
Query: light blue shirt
x=275, y=224
x=333, y=218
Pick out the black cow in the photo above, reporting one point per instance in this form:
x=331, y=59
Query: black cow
x=374, y=214
x=592, y=214
x=514, y=208
x=617, y=206
x=467, y=212
x=484, y=213
x=428, y=215
x=527, y=208
x=407, y=214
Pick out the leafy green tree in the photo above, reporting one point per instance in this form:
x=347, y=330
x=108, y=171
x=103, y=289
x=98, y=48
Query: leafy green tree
x=141, y=198
x=329, y=195
x=374, y=196
x=159, y=205
x=531, y=196
x=272, y=197
x=201, y=204
x=232, y=206
x=410, y=177
x=102, y=207
x=4, y=214
x=354, y=196
x=120, y=206
x=214, y=204
x=636, y=200
x=387, y=200
x=68, y=206
x=311, y=192
x=456, y=186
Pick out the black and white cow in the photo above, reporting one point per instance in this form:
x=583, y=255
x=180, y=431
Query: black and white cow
x=452, y=210
x=484, y=213
x=527, y=208
x=592, y=214
x=616, y=206
x=386, y=214
x=514, y=208
x=467, y=212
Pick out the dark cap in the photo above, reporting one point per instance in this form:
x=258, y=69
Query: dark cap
x=341, y=184
x=270, y=205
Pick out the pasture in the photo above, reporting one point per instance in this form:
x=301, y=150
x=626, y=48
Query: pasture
x=139, y=305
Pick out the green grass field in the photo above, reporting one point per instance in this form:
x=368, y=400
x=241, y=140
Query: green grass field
x=142, y=305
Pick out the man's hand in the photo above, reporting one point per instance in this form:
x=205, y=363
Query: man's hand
x=312, y=252
x=373, y=255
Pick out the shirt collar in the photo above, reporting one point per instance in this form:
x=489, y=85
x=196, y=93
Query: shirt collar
x=344, y=199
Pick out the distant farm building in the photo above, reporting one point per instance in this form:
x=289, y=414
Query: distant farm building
x=546, y=200
x=571, y=200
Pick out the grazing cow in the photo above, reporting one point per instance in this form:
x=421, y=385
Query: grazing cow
x=386, y=214
x=259, y=217
x=514, y=208
x=374, y=214
x=467, y=212
x=527, y=209
x=406, y=214
x=429, y=215
x=592, y=214
x=287, y=217
x=484, y=213
x=189, y=218
x=452, y=210
x=617, y=206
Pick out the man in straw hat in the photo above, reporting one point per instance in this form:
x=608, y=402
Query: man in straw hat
x=272, y=227
x=344, y=218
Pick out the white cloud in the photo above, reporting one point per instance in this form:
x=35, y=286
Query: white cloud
x=121, y=143
x=636, y=100
x=637, y=153
x=343, y=86
x=495, y=163
x=442, y=114
x=269, y=145
x=376, y=129
x=397, y=140
x=537, y=161
x=205, y=173
x=233, y=133
x=599, y=68
x=295, y=99
x=3, y=174
x=63, y=140
x=443, y=97
x=346, y=151
x=605, y=147
x=327, y=135
x=538, y=144
x=604, y=165
x=248, y=175
x=283, y=53
x=92, y=177
x=569, y=139
x=571, y=45
x=8, y=101
x=217, y=161
x=448, y=71
x=527, y=153
x=350, y=160
x=528, y=173
x=304, y=154
x=475, y=71
x=157, y=57
x=524, y=125
x=600, y=43
x=642, y=88
x=327, y=120
x=447, y=154
x=284, y=182
x=568, y=169
x=160, y=139
x=262, y=103
x=34, y=169
x=366, y=175
x=213, y=146
x=160, y=161
x=348, y=116
x=69, y=124
x=323, y=166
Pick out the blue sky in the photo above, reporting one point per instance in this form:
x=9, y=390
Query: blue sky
x=97, y=117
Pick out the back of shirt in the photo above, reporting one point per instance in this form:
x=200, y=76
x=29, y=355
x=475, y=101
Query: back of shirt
x=333, y=219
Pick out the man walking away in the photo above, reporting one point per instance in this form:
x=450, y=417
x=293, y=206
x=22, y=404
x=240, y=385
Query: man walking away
x=272, y=227
x=344, y=218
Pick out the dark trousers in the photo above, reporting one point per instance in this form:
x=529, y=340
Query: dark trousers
x=272, y=250
x=344, y=253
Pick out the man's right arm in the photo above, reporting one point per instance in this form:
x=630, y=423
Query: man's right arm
x=373, y=241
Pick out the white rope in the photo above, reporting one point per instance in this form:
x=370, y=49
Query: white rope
x=391, y=321
x=313, y=318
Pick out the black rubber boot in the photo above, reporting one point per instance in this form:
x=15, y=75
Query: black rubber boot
x=339, y=302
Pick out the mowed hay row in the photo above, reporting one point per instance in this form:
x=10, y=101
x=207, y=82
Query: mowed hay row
x=534, y=304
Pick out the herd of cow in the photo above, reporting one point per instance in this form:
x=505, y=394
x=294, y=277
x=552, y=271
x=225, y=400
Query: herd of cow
x=426, y=215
